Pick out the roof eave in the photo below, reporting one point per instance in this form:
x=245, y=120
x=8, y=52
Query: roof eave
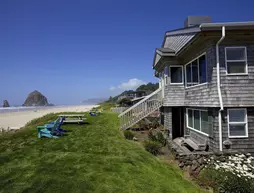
x=162, y=54
x=212, y=26
x=193, y=29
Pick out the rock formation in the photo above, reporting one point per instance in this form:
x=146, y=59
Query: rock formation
x=35, y=98
x=6, y=104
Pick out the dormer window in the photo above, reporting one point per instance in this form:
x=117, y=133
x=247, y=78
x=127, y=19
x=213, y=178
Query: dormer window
x=236, y=60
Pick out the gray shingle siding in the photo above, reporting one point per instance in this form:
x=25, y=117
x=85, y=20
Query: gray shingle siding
x=240, y=144
x=237, y=90
x=168, y=119
x=174, y=95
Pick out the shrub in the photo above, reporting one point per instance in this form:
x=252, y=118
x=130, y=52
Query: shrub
x=225, y=181
x=153, y=147
x=128, y=134
x=158, y=137
x=151, y=136
x=161, y=139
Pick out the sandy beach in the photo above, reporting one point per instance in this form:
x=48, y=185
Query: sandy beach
x=16, y=120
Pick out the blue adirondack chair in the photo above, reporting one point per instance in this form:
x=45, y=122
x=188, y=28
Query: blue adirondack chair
x=44, y=132
x=93, y=114
x=59, y=122
x=51, y=130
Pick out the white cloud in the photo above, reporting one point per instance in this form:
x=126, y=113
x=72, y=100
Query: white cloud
x=131, y=84
x=112, y=88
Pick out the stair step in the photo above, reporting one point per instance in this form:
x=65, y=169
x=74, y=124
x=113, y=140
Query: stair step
x=178, y=141
x=193, y=144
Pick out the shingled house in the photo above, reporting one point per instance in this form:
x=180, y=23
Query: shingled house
x=206, y=73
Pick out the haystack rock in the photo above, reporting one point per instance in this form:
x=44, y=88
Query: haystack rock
x=6, y=104
x=35, y=98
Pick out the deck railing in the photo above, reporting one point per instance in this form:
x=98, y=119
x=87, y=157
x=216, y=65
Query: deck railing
x=141, y=110
x=118, y=109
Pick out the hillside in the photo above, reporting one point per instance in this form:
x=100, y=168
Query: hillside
x=92, y=158
x=149, y=88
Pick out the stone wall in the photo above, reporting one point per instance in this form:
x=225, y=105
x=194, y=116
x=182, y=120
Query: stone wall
x=195, y=161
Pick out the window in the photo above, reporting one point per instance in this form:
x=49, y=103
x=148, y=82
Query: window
x=196, y=71
x=176, y=74
x=236, y=60
x=237, y=123
x=202, y=69
x=198, y=120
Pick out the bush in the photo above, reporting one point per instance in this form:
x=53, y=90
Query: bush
x=153, y=147
x=158, y=137
x=225, y=181
x=128, y=134
x=161, y=139
x=151, y=136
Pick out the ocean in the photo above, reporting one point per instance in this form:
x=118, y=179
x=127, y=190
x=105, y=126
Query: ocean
x=20, y=109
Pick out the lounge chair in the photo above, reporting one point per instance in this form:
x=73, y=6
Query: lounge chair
x=59, y=122
x=93, y=114
x=51, y=130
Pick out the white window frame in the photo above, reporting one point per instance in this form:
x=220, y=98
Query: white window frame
x=238, y=123
x=246, y=60
x=198, y=70
x=169, y=71
x=187, y=120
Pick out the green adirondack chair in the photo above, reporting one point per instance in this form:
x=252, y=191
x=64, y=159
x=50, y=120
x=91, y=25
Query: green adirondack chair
x=50, y=130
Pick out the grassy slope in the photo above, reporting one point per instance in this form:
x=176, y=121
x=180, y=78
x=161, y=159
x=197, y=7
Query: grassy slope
x=92, y=158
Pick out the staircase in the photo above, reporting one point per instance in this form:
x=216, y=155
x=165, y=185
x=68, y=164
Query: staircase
x=141, y=110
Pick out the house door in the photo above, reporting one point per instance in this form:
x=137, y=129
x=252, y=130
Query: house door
x=177, y=122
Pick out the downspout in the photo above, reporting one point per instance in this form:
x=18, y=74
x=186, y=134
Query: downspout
x=218, y=86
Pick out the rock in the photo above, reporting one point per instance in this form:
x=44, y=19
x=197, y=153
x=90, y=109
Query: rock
x=222, y=159
x=192, y=157
x=248, y=154
x=6, y=104
x=195, y=165
x=35, y=98
x=181, y=165
x=201, y=160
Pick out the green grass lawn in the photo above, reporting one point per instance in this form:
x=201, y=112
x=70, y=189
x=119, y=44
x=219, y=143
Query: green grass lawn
x=93, y=158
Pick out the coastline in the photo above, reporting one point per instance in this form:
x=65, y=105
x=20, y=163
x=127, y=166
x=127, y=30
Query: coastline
x=18, y=119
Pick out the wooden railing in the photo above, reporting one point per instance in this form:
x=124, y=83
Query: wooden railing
x=141, y=110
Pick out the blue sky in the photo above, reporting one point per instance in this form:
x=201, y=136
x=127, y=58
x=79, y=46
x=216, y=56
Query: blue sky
x=77, y=49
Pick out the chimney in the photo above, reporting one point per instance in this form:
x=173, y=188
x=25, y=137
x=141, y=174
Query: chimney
x=196, y=20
